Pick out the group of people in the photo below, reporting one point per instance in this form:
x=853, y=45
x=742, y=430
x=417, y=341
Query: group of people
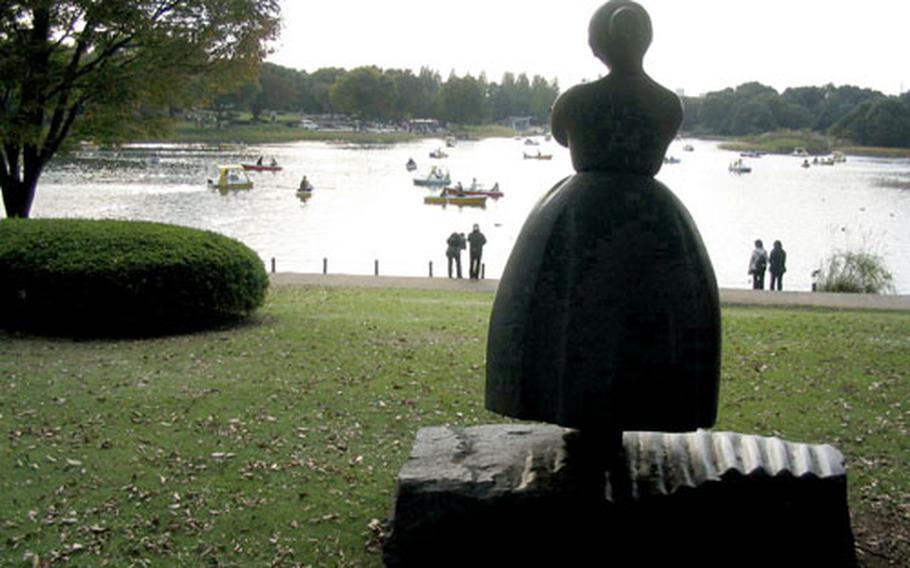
x=457, y=242
x=775, y=263
x=273, y=162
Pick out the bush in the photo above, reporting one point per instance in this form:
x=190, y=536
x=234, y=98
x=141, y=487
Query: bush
x=855, y=272
x=112, y=278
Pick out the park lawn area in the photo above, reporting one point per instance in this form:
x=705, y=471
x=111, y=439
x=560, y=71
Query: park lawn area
x=278, y=442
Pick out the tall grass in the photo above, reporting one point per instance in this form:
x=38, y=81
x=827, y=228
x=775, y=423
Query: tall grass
x=855, y=272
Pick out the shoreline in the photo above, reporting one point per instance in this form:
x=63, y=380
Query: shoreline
x=728, y=296
x=276, y=133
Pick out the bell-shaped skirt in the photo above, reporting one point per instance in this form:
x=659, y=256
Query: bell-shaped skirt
x=607, y=315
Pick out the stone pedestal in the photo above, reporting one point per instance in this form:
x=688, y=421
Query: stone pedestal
x=507, y=495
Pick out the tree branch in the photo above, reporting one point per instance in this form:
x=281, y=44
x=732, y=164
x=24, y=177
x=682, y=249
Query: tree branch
x=51, y=145
x=11, y=161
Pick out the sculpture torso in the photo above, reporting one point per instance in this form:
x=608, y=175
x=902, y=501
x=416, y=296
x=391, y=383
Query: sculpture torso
x=619, y=124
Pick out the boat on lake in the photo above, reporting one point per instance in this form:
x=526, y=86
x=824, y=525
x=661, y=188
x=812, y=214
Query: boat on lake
x=537, y=156
x=475, y=189
x=262, y=167
x=739, y=167
x=230, y=177
x=305, y=189
x=671, y=160
x=438, y=154
x=411, y=165
x=437, y=177
x=459, y=200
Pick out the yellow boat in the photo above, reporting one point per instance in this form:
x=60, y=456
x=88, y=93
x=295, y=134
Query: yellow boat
x=460, y=200
x=230, y=176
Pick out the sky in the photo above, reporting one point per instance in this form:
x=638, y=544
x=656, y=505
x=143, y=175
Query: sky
x=699, y=45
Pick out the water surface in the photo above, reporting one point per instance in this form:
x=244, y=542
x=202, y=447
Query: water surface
x=366, y=208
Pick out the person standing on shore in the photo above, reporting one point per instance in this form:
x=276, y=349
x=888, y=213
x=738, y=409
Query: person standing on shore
x=757, y=265
x=453, y=252
x=777, y=265
x=476, y=240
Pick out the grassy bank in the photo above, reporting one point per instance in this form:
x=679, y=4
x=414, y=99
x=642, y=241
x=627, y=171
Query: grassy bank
x=278, y=442
x=785, y=141
x=288, y=131
x=272, y=133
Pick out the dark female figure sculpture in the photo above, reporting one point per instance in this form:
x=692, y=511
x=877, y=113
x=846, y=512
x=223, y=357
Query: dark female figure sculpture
x=607, y=315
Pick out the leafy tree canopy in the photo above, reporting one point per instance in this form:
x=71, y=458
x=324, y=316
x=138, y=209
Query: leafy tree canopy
x=862, y=116
x=93, y=68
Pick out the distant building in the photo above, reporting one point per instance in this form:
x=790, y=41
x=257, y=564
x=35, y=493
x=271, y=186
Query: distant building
x=424, y=125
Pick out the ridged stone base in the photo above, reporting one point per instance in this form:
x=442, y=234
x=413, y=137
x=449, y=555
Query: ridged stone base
x=508, y=495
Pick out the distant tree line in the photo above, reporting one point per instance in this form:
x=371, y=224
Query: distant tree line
x=862, y=116
x=371, y=93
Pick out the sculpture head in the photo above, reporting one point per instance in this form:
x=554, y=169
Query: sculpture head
x=619, y=34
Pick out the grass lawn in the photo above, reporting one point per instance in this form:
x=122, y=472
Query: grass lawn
x=278, y=442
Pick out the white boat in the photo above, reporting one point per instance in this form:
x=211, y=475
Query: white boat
x=800, y=152
x=230, y=177
x=739, y=167
x=436, y=177
x=438, y=153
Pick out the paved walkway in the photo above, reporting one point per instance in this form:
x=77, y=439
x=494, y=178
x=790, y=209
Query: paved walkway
x=728, y=296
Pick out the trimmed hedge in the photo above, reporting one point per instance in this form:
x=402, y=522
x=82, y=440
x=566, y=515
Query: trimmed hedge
x=122, y=278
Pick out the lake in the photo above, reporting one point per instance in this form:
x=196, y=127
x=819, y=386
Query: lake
x=365, y=207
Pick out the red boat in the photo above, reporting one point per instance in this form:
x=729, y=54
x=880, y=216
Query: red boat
x=261, y=167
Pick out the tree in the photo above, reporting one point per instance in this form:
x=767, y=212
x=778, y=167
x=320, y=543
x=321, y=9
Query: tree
x=882, y=122
x=366, y=92
x=501, y=97
x=715, y=109
x=543, y=94
x=277, y=89
x=463, y=100
x=751, y=116
x=840, y=101
x=96, y=68
x=321, y=83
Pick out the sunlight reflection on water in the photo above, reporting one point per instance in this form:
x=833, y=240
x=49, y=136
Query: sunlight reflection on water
x=365, y=206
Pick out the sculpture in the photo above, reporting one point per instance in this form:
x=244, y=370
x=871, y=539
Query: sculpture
x=607, y=321
x=607, y=315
